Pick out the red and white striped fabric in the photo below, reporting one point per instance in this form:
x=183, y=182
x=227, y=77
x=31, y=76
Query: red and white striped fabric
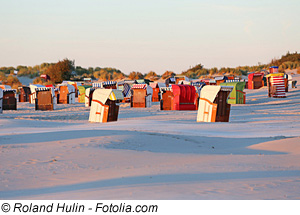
x=278, y=81
x=139, y=86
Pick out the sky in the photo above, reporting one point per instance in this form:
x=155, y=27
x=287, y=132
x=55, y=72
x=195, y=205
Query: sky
x=148, y=35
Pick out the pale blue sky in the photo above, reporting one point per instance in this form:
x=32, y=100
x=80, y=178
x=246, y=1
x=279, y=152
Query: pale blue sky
x=144, y=35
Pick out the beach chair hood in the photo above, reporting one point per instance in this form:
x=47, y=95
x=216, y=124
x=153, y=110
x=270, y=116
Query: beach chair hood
x=32, y=92
x=100, y=96
x=207, y=111
x=103, y=94
x=210, y=92
x=143, y=86
x=237, y=96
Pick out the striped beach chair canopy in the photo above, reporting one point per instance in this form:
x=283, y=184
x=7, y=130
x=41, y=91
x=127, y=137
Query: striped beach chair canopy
x=130, y=82
x=34, y=86
x=97, y=85
x=277, y=79
x=227, y=88
x=233, y=80
x=108, y=83
x=10, y=90
x=198, y=83
x=143, y=86
x=139, y=86
x=45, y=89
x=220, y=78
x=164, y=89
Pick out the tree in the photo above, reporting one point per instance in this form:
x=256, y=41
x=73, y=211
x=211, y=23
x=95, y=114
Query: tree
x=135, y=75
x=42, y=81
x=38, y=80
x=196, y=71
x=168, y=74
x=12, y=81
x=60, y=71
x=106, y=74
x=118, y=76
x=152, y=76
x=80, y=71
x=2, y=76
x=91, y=70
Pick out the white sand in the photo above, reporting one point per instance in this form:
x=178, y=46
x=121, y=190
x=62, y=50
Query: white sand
x=152, y=154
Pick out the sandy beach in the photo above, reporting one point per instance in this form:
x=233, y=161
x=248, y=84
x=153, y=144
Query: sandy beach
x=153, y=154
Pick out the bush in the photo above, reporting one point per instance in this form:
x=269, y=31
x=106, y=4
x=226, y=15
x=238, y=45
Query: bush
x=12, y=81
x=38, y=80
x=135, y=75
x=152, y=76
x=168, y=74
x=106, y=74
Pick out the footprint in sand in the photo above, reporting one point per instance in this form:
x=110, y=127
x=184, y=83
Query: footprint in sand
x=31, y=161
x=56, y=157
x=52, y=161
x=287, y=180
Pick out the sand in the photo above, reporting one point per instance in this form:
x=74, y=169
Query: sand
x=152, y=154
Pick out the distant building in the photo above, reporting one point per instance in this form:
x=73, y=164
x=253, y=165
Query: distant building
x=46, y=77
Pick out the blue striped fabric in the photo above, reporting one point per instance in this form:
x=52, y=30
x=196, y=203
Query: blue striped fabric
x=162, y=89
x=42, y=88
x=109, y=83
x=126, y=91
x=7, y=90
x=97, y=85
x=235, y=80
x=127, y=82
x=198, y=83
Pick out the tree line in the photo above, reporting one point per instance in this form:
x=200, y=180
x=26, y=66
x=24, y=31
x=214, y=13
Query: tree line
x=66, y=70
